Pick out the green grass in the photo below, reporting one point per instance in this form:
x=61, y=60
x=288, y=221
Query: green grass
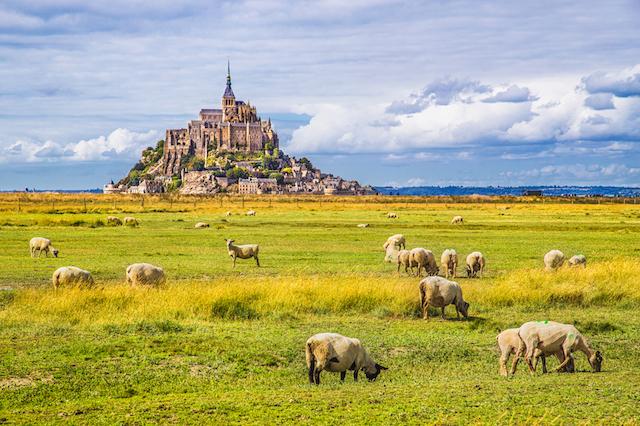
x=217, y=345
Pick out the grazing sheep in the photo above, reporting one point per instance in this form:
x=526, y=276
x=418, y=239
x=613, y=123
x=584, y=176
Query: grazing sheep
x=456, y=220
x=130, y=221
x=550, y=337
x=336, y=353
x=228, y=214
x=440, y=292
x=363, y=225
x=246, y=251
x=251, y=213
x=112, y=220
x=70, y=275
x=553, y=260
x=475, y=264
x=449, y=262
x=39, y=244
x=509, y=342
x=578, y=260
x=404, y=259
x=145, y=274
x=423, y=259
x=391, y=254
x=392, y=215
x=396, y=240
x=202, y=225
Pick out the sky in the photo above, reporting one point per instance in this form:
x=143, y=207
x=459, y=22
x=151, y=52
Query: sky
x=402, y=93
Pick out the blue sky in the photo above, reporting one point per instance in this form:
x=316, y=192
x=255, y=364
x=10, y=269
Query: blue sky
x=387, y=92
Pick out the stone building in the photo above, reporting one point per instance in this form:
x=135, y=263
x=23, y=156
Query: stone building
x=234, y=127
x=257, y=186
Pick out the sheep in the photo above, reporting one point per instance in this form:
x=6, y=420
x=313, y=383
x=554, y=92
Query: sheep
x=246, y=251
x=392, y=215
x=145, y=274
x=228, y=214
x=578, y=260
x=509, y=342
x=404, y=259
x=39, y=244
x=201, y=225
x=449, y=262
x=70, y=275
x=550, y=337
x=553, y=260
x=112, y=220
x=396, y=240
x=440, y=292
x=475, y=264
x=336, y=353
x=457, y=220
x=363, y=225
x=251, y=213
x=130, y=221
x=423, y=259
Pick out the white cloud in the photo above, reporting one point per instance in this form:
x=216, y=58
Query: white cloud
x=623, y=84
x=579, y=173
x=512, y=93
x=416, y=181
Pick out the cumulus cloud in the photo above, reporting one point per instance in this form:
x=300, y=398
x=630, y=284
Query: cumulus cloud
x=583, y=173
x=623, y=84
x=599, y=101
x=121, y=143
x=513, y=93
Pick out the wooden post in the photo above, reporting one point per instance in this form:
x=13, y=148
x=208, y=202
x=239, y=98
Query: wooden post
x=114, y=203
x=243, y=201
x=18, y=203
x=170, y=202
x=142, y=201
x=84, y=202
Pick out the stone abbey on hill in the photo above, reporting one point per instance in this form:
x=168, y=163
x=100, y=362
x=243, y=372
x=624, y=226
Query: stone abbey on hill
x=235, y=127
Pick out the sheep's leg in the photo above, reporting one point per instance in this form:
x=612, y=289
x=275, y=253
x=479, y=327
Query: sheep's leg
x=504, y=358
x=311, y=372
x=567, y=358
x=257, y=261
x=234, y=261
x=516, y=359
x=425, y=311
x=355, y=375
x=317, y=376
x=343, y=374
x=443, y=316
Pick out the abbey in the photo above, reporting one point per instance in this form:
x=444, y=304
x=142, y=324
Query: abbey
x=234, y=127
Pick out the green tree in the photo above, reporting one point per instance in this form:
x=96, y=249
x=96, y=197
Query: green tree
x=278, y=177
x=238, y=173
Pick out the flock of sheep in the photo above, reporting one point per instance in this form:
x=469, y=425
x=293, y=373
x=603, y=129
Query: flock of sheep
x=336, y=353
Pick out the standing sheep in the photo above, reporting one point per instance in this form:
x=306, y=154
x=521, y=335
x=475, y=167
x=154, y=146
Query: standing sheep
x=251, y=213
x=70, y=275
x=228, y=214
x=112, y=220
x=553, y=260
x=578, y=260
x=336, y=353
x=130, y=221
x=457, y=220
x=392, y=215
x=145, y=274
x=551, y=337
x=39, y=244
x=246, y=251
x=475, y=264
x=440, y=292
x=449, y=262
x=423, y=259
x=404, y=259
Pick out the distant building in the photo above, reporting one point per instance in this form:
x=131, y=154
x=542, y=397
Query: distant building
x=532, y=193
x=257, y=186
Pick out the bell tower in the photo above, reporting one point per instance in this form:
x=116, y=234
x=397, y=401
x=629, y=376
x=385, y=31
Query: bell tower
x=229, y=112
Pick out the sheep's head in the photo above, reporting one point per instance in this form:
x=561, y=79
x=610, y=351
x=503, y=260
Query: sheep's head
x=229, y=242
x=464, y=309
x=372, y=373
x=54, y=251
x=468, y=271
x=596, y=361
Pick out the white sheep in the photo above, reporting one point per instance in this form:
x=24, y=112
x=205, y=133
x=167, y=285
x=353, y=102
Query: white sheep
x=475, y=264
x=228, y=214
x=336, y=353
x=246, y=251
x=553, y=260
x=457, y=220
x=510, y=343
x=201, y=225
x=112, y=220
x=404, y=259
x=130, y=221
x=145, y=274
x=363, y=225
x=40, y=244
x=578, y=260
x=439, y=293
x=423, y=259
x=396, y=240
x=251, y=213
x=550, y=337
x=392, y=215
x=449, y=262
x=70, y=275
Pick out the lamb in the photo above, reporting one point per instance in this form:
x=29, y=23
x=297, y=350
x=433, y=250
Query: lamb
x=553, y=260
x=363, y=225
x=336, y=353
x=392, y=215
x=449, y=262
x=457, y=220
x=145, y=274
x=39, y=244
x=130, y=221
x=112, y=220
x=202, y=225
x=246, y=251
x=475, y=264
x=70, y=275
x=423, y=259
x=440, y=292
x=578, y=260
x=509, y=342
x=404, y=259
x=251, y=213
x=551, y=337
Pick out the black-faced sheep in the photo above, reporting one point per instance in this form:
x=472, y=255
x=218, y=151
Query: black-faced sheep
x=39, y=245
x=439, y=293
x=475, y=264
x=457, y=220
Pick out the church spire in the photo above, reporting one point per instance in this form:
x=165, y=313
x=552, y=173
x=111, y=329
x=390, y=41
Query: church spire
x=228, y=73
x=228, y=93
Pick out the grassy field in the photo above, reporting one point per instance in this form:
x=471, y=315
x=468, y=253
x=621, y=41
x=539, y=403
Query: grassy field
x=217, y=345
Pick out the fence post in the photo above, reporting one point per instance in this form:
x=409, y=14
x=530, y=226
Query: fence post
x=18, y=203
x=84, y=202
x=142, y=201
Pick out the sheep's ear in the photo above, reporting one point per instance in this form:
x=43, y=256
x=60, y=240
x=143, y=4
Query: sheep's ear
x=380, y=367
